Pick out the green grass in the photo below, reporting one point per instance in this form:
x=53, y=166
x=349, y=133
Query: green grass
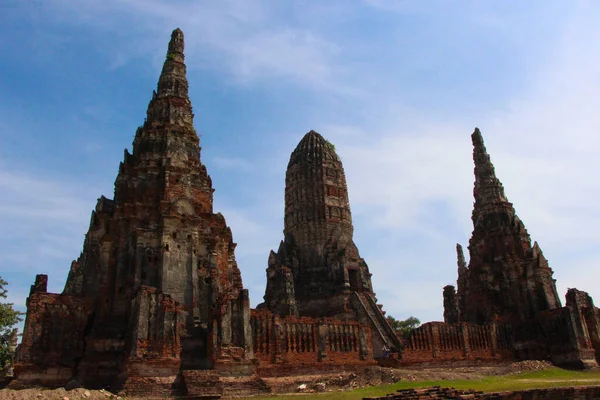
x=552, y=377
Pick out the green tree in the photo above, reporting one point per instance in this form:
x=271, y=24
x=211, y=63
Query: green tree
x=8, y=318
x=404, y=327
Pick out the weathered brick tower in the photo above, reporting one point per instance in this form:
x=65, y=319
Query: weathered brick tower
x=507, y=291
x=507, y=279
x=317, y=271
x=156, y=289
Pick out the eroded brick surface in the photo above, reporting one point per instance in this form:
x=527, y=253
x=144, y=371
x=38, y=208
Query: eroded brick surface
x=509, y=283
x=53, y=338
x=155, y=303
x=436, y=341
x=292, y=344
x=507, y=277
x=156, y=289
x=317, y=271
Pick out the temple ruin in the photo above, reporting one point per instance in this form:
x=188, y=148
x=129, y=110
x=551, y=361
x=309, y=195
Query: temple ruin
x=156, y=291
x=507, y=278
x=507, y=287
x=317, y=270
x=155, y=303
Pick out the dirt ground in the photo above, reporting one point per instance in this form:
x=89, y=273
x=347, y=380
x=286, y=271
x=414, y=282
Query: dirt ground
x=373, y=376
x=316, y=383
x=56, y=394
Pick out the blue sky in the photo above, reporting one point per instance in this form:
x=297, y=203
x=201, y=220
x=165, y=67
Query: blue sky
x=397, y=86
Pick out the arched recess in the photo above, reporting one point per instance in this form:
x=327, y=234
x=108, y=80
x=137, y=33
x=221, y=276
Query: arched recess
x=334, y=212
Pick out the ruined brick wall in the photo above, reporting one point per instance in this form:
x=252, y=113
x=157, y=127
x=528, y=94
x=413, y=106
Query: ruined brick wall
x=264, y=333
x=451, y=313
x=554, y=335
x=304, y=342
x=155, y=326
x=347, y=342
x=437, y=341
x=53, y=336
x=558, y=335
x=557, y=330
x=586, y=319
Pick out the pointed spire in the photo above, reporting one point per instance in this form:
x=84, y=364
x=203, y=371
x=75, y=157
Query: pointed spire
x=170, y=104
x=176, y=44
x=477, y=140
x=488, y=189
x=170, y=108
x=462, y=264
x=173, y=81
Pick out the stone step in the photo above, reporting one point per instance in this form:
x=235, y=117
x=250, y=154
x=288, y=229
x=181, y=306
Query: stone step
x=202, y=384
x=152, y=387
x=244, y=386
x=375, y=314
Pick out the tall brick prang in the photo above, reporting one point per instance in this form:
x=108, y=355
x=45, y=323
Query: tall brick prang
x=162, y=289
x=507, y=278
x=508, y=286
x=317, y=270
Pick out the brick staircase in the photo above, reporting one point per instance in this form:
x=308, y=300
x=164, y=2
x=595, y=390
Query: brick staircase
x=152, y=387
x=368, y=306
x=202, y=384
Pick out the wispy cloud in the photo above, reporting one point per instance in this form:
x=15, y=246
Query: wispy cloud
x=44, y=220
x=47, y=220
x=543, y=142
x=247, y=39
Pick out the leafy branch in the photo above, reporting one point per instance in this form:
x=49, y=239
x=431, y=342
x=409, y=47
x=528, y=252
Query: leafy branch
x=8, y=318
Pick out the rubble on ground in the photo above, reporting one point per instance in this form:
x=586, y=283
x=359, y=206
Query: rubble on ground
x=343, y=381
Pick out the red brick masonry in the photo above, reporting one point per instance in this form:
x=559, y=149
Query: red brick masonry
x=437, y=341
x=291, y=342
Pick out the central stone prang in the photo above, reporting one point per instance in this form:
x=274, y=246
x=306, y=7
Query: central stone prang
x=317, y=270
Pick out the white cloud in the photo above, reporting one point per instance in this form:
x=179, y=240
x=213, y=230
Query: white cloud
x=300, y=54
x=544, y=144
x=47, y=220
x=246, y=38
x=399, y=173
x=410, y=175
